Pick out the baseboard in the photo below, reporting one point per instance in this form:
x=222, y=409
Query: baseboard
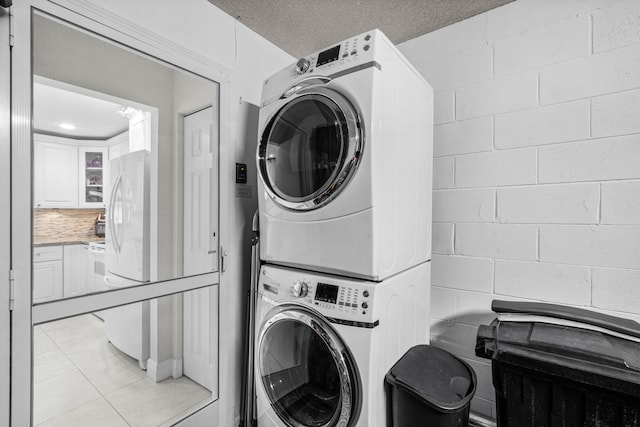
x=165, y=369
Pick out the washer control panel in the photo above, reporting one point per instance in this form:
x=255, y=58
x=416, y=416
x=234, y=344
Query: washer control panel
x=340, y=299
x=343, y=298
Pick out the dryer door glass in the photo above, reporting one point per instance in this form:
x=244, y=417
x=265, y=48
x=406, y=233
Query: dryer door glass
x=306, y=371
x=309, y=149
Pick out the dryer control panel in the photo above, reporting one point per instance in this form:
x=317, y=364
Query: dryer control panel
x=351, y=50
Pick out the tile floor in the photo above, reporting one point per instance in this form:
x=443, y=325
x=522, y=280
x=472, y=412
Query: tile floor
x=81, y=379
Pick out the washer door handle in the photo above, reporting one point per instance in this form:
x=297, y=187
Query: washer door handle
x=306, y=82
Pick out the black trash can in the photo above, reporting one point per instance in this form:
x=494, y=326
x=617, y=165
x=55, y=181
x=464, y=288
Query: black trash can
x=562, y=366
x=430, y=387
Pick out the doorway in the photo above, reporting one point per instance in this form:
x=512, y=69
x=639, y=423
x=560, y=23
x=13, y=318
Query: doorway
x=73, y=347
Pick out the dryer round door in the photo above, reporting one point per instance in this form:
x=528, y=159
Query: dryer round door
x=307, y=373
x=310, y=149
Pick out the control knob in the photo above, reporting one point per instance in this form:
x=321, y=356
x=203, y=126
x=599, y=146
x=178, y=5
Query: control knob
x=300, y=289
x=302, y=65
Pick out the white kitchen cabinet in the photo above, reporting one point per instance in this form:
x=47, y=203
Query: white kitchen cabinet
x=55, y=174
x=69, y=173
x=95, y=271
x=76, y=278
x=94, y=176
x=47, y=273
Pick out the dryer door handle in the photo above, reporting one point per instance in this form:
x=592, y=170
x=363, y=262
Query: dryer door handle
x=309, y=81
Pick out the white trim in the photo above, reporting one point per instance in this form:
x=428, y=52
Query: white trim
x=97, y=20
x=59, y=139
x=46, y=312
x=5, y=215
x=92, y=94
x=21, y=342
x=163, y=370
x=131, y=29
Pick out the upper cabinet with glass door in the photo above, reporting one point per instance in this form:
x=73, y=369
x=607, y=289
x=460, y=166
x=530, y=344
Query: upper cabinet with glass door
x=93, y=172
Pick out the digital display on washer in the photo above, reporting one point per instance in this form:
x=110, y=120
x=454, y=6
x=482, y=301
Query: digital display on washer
x=326, y=293
x=328, y=55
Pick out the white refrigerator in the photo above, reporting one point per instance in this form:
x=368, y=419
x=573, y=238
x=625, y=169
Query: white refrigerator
x=127, y=252
x=127, y=220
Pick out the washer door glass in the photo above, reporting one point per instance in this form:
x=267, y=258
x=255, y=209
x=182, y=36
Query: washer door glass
x=307, y=373
x=310, y=149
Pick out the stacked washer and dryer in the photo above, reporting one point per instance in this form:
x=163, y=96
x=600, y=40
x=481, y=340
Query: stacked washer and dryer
x=345, y=166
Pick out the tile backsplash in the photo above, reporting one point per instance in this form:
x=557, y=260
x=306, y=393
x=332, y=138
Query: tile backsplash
x=64, y=225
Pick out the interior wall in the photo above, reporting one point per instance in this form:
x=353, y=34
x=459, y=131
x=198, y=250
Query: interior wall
x=536, y=164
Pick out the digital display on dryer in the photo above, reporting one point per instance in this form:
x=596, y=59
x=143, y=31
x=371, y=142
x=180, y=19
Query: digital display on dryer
x=327, y=293
x=328, y=55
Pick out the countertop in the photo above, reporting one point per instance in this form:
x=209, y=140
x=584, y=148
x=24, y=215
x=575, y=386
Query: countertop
x=66, y=241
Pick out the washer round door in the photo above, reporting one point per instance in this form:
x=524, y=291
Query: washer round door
x=307, y=373
x=310, y=149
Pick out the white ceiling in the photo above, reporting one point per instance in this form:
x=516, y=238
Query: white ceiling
x=93, y=118
x=301, y=27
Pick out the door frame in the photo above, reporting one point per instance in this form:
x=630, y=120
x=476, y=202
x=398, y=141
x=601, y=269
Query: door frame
x=111, y=26
x=5, y=215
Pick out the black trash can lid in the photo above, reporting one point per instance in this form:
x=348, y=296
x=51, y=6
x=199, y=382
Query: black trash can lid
x=435, y=376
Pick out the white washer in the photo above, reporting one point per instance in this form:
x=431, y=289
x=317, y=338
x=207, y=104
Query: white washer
x=324, y=344
x=345, y=162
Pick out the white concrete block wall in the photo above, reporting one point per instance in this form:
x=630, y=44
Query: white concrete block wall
x=536, y=164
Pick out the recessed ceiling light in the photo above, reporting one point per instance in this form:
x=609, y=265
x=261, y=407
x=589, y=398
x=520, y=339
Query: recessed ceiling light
x=67, y=126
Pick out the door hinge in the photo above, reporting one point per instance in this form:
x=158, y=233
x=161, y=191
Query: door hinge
x=11, y=290
x=11, y=32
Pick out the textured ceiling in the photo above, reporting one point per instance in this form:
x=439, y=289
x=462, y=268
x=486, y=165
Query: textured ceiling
x=300, y=27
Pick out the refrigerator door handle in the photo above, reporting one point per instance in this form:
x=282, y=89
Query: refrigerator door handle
x=114, y=192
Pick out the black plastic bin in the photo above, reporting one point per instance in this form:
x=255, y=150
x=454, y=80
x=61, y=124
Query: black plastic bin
x=562, y=366
x=431, y=387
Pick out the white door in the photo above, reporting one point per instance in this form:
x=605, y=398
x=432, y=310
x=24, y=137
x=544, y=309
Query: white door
x=77, y=387
x=200, y=242
x=5, y=266
x=200, y=192
x=199, y=350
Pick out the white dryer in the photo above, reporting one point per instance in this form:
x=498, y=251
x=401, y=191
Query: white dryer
x=324, y=344
x=345, y=162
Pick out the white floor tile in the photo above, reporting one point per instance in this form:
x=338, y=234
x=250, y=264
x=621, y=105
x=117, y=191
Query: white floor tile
x=41, y=341
x=97, y=413
x=61, y=394
x=107, y=368
x=149, y=404
x=51, y=364
x=172, y=421
x=73, y=330
x=80, y=376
